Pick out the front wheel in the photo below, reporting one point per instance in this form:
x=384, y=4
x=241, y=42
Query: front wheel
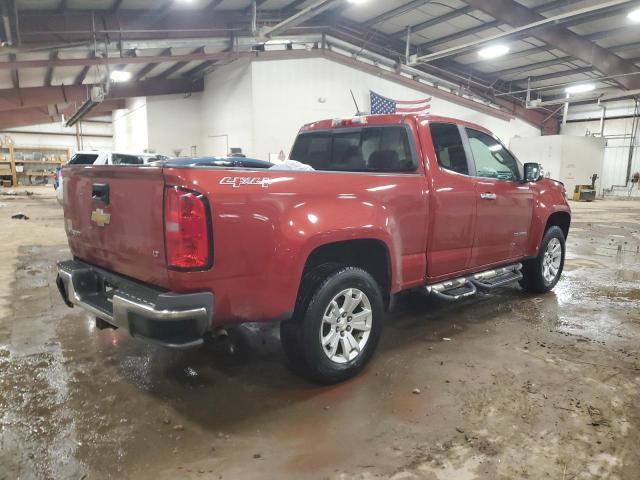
x=542, y=273
x=336, y=327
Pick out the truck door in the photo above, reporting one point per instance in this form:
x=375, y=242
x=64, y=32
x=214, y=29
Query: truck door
x=452, y=206
x=505, y=205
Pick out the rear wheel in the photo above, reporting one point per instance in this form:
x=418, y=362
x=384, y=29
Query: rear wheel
x=542, y=273
x=337, y=324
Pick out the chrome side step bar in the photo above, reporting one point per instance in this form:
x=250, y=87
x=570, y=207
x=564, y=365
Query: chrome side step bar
x=497, y=277
x=463, y=287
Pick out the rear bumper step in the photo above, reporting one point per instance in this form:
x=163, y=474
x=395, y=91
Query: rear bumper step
x=463, y=287
x=169, y=319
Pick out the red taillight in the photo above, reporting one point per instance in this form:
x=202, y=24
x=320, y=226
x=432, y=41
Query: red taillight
x=186, y=230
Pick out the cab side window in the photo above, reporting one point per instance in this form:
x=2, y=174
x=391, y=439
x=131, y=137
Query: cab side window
x=119, y=159
x=491, y=158
x=449, y=148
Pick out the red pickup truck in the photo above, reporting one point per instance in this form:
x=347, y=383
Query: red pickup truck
x=178, y=251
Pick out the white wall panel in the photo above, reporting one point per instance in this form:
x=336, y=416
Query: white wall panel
x=264, y=116
x=174, y=124
x=570, y=159
x=227, y=110
x=130, y=129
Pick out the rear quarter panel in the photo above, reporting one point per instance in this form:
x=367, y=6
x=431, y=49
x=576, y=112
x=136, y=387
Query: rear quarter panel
x=265, y=229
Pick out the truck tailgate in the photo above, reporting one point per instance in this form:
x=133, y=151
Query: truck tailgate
x=114, y=219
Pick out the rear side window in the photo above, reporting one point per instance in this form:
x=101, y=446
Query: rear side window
x=118, y=159
x=83, y=159
x=491, y=158
x=368, y=149
x=449, y=148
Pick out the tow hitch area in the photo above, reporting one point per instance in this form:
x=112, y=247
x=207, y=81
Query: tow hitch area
x=463, y=287
x=178, y=320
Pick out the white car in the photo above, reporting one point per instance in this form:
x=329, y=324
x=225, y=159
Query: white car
x=102, y=157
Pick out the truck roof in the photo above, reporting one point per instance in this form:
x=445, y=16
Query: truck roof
x=348, y=122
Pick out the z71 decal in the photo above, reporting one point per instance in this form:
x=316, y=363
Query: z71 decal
x=237, y=182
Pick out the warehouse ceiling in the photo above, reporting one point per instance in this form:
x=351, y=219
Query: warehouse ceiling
x=53, y=49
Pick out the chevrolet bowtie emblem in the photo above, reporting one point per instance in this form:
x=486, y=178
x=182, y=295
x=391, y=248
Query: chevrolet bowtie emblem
x=100, y=217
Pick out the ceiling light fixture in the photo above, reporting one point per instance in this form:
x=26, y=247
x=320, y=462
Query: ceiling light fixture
x=120, y=76
x=634, y=15
x=493, y=51
x=581, y=88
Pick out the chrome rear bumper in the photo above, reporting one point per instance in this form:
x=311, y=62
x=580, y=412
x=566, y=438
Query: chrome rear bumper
x=170, y=319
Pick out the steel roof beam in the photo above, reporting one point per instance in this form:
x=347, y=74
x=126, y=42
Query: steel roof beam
x=198, y=69
x=471, y=31
x=147, y=68
x=197, y=55
x=396, y=12
x=549, y=63
x=181, y=64
x=435, y=21
x=11, y=99
x=551, y=76
x=302, y=16
x=48, y=78
x=559, y=60
x=603, y=60
x=39, y=115
x=503, y=74
x=294, y=5
x=460, y=34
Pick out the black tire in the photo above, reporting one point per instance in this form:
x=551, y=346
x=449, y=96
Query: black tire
x=533, y=278
x=300, y=336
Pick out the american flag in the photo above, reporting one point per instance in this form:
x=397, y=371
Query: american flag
x=385, y=106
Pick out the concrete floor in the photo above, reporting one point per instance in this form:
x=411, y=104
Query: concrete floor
x=511, y=385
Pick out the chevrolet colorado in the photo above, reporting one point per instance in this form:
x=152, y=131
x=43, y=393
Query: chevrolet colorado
x=177, y=251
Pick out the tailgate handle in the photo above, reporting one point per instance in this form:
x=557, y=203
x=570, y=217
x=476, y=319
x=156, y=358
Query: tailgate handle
x=100, y=192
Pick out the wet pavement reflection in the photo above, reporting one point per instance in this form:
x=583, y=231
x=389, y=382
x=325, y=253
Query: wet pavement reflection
x=506, y=383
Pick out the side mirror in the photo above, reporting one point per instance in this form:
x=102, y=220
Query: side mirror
x=532, y=172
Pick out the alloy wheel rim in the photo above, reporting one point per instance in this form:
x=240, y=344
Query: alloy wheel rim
x=552, y=260
x=346, y=325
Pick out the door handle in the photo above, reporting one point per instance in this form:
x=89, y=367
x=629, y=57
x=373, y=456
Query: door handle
x=488, y=196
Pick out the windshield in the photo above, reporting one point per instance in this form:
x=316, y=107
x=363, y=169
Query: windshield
x=83, y=159
x=367, y=149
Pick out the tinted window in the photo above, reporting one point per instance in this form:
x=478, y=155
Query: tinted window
x=449, y=148
x=314, y=149
x=118, y=159
x=369, y=149
x=491, y=158
x=83, y=159
x=347, y=152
